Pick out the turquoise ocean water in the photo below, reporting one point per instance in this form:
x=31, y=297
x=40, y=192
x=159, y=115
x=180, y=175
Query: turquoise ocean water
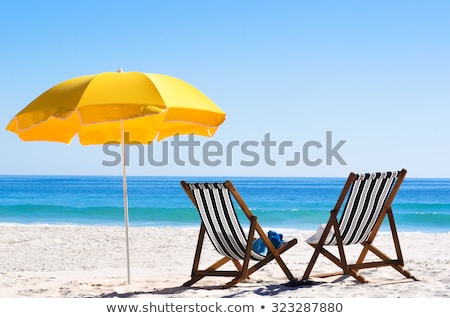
x=299, y=203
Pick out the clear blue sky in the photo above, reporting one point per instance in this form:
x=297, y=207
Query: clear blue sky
x=373, y=73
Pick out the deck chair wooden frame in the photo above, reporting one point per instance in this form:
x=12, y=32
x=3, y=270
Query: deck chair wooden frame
x=368, y=198
x=219, y=220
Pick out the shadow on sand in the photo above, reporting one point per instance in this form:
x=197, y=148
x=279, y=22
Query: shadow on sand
x=268, y=290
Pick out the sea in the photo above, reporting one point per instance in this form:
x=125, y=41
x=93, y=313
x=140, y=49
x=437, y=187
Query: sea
x=421, y=205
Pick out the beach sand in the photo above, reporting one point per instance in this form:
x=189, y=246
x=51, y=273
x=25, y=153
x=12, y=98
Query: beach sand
x=82, y=261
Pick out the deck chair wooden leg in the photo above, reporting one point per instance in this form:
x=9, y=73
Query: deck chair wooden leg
x=397, y=246
x=312, y=262
x=345, y=269
x=404, y=272
x=398, y=267
x=265, y=261
x=398, y=263
x=398, y=249
x=195, y=274
x=319, y=249
x=244, y=271
x=281, y=262
x=198, y=250
x=248, y=250
x=233, y=282
x=278, y=258
x=237, y=264
x=199, y=274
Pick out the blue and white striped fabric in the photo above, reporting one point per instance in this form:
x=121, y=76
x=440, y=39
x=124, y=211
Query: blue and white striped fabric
x=365, y=201
x=217, y=212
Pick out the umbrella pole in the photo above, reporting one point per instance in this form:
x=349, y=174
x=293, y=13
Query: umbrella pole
x=125, y=201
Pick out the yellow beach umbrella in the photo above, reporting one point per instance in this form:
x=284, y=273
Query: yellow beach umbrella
x=101, y=108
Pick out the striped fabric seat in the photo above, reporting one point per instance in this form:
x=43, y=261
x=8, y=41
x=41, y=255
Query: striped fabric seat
x=218, y=214
x=367, y=196
x=214, y=202
x=368, y=201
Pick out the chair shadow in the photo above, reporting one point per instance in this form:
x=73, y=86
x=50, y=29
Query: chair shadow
x=274, y=290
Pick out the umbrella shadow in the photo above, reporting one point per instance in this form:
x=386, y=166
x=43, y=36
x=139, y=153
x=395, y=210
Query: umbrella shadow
x=123, y=295
x=164, y=291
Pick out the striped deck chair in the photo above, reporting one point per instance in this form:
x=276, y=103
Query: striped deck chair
x=368, y=198
x=220, y=221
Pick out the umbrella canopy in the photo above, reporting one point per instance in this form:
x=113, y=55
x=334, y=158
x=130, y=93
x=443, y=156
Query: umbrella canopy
x=101, y=108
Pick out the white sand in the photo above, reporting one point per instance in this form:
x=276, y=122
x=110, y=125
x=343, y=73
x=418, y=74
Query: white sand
x=68, y=261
